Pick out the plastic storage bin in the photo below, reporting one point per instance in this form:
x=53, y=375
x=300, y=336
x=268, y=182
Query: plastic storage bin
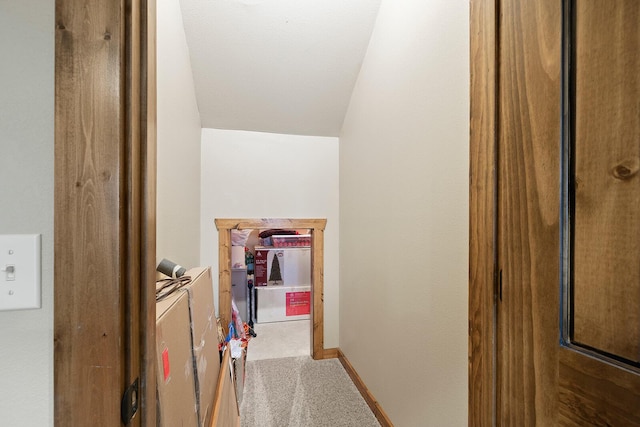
x=282, y=303
x=296, y=241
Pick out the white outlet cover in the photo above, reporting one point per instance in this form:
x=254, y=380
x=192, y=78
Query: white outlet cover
x=23, y=290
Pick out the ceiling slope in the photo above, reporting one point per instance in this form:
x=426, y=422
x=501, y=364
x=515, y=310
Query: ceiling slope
x=281, y=66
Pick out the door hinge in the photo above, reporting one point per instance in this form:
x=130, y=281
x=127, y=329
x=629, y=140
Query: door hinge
x=498, y=285
x=129, y=404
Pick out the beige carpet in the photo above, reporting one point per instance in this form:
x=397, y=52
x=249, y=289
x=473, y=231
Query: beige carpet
x=280, y=339
x=302, y=392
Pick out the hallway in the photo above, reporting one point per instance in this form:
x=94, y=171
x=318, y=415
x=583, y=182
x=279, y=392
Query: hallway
x=285, y=387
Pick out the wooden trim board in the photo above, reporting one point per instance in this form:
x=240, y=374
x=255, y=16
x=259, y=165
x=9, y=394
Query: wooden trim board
x=331, y=353
x=148, y=128
x=377, y=410
x=225, y=410
x=316, y=226
x=267, y=223
x=482, y=210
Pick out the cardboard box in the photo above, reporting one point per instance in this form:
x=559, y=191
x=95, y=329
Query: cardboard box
x=176, y=380
x=186, y=334
x=293, y=266
x=261, y=272
x=297, y=303
x=282, y=303
x=204, y=335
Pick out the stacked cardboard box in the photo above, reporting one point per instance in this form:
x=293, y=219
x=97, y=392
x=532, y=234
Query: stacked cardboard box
x=176, y=379
x=187, y=320
x=282, y=266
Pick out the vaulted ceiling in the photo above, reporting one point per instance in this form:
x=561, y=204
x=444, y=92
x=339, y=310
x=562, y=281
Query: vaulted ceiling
x=282, y=66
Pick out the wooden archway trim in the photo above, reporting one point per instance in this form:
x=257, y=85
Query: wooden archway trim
x=317, y=227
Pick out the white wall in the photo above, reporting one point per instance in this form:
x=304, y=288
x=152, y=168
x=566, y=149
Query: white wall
x=178, y=191
x=265, y=175
x=404, y=214
x=26, y=200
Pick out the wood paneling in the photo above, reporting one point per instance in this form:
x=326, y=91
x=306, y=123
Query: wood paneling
x=482, y=211
x=103, y=213
x=592, y=393
x=316, y=226
x=607, y=190
x=528, y=211
x=89, y=293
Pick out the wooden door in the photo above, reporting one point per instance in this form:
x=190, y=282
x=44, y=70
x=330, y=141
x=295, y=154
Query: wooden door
x=559, y=342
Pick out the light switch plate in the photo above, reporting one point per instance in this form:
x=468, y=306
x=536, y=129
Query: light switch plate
x=20, y=271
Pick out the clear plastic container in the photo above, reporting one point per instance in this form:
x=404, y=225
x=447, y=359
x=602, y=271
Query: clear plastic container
x=295, y=241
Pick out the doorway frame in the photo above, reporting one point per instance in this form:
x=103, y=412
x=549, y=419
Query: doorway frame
x=104, y=258
x=317, y=226
x=483, y=25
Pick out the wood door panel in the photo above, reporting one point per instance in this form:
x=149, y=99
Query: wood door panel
x=537, y=380
x=595, y=393
x=606, y=251
x=89, y=354
x=528, y=212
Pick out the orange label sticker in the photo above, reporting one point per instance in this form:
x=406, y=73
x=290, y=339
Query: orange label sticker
x=165, y=364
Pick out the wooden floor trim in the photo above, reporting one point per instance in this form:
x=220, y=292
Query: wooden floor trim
x=377, y=410
x=331, y=353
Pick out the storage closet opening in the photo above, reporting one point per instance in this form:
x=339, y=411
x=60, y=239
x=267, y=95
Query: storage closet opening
x=271, y=290
x=271, y=274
